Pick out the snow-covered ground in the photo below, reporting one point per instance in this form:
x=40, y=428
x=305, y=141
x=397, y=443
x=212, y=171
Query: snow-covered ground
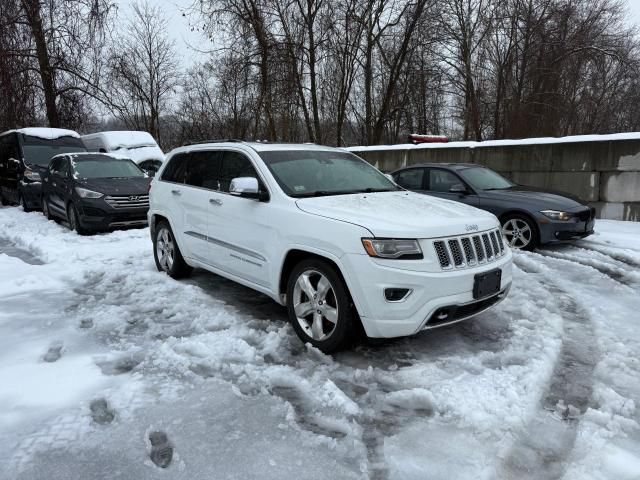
x=98, y=351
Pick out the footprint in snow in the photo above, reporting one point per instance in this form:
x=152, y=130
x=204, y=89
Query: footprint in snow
x=100, y=412
x=161, y=449
x=54, y=353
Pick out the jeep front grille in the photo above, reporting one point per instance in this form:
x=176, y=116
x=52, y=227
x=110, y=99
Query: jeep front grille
x=469, y=250
x=128, y=201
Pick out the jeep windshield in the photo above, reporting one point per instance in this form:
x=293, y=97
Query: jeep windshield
x=310, y=173
x=39, y=151
x=102, y=166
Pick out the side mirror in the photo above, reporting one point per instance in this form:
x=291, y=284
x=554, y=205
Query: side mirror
x=247, y=187
x=459, y=189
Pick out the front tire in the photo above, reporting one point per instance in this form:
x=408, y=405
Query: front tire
x=74, y=220
x=520, y=232
x=166, y=253
x=22, y=204
x=319, y=306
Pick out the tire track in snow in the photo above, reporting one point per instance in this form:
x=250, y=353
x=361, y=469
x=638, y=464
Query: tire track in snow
x=542, y=448
x=614, y=253
x=616, y=274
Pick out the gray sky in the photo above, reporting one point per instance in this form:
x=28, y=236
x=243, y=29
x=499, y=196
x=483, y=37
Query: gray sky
x=189, y=41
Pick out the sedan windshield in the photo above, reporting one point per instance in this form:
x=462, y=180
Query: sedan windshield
x=39, y=151
x=309, y=173
x=482, y=178
x=102, y=166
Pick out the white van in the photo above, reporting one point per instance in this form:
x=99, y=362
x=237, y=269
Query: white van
x=139, y=146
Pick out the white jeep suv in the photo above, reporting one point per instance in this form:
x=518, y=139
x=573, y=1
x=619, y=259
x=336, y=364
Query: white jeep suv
x=323, y=232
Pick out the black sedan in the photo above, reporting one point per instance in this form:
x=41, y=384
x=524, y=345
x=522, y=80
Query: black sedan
x=529, y=216
x=95, y=192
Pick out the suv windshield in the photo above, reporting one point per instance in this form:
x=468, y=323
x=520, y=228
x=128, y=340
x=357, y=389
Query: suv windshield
x=308, y=173
x=96, y=166
x=39, y=151
x=482, y=178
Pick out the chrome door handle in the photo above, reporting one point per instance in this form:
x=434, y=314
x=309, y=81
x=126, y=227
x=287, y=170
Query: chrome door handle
x=215, y=201
x=176, y=192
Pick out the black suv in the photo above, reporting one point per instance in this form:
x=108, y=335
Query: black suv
x=24, y=156
x=95, y=192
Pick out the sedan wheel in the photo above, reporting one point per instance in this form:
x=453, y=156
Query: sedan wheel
x=315, y=305
x=520, y=234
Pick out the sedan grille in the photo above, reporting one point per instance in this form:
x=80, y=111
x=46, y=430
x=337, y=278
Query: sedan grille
x=470, y=250
x=128, y=201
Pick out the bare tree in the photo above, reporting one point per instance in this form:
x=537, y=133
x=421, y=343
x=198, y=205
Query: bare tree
x=143, y=71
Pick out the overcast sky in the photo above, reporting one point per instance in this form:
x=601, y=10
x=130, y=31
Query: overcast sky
x=189, y=40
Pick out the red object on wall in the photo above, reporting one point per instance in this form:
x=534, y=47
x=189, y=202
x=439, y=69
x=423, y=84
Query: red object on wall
x=417, y=138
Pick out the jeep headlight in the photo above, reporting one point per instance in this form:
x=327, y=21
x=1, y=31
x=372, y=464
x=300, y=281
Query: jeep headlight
x=84, y=193
x=557, y=215
x=392, y=248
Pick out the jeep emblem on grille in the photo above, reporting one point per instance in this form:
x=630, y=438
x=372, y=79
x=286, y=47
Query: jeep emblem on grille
x=134, y=198
x=471, y=228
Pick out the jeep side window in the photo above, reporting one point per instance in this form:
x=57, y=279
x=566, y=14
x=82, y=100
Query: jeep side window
x=234, y=165
x=203, y=169
x=176, y=169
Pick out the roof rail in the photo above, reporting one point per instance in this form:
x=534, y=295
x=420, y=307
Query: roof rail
x=220, y=140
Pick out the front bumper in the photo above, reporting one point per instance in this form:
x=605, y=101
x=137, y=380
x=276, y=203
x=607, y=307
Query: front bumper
x=97, y=215
x=431, y=292
x=32, y=194
x=555, y=231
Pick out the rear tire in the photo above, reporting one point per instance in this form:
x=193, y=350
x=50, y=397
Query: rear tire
x=320, y=307
x=21, y=203
x=521, y=232
x=166, y=253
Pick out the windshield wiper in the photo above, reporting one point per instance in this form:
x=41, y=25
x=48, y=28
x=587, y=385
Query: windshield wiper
x=496, y=188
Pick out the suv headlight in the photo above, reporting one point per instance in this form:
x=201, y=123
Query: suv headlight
x=84, y=193
x=31, y=175
x=392, y=248
x=557, y=215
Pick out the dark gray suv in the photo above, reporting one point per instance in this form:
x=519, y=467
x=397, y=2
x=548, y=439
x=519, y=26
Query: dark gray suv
x=529, y=216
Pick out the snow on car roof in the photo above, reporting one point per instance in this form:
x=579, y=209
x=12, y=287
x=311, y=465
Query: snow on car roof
x=257, y=146
x=46, y=133
x=124, y=139
x=503, y=143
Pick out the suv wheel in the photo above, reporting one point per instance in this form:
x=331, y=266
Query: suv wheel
x=21, y=203
x=520, y=231
x=74, y=222
x=45, y=209
x=319, y=306
x=167, y=253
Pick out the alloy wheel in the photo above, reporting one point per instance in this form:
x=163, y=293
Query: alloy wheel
x=165, y=249
x=518, y=233
x=315, y=304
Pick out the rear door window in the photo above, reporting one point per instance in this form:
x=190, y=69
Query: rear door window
x=203, y=169
x=176, y=169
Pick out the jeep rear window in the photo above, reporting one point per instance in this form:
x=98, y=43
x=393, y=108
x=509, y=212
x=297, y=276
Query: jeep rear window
x=303, y=173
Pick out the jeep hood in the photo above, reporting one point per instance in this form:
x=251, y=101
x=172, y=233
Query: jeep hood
x=401, y=214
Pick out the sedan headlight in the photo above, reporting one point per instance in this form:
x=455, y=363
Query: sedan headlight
x=84, y=193
x=557, y=215
x=392, y=248
x=31, y=175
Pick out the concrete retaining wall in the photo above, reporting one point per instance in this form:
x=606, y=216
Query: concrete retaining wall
x=604, y=172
